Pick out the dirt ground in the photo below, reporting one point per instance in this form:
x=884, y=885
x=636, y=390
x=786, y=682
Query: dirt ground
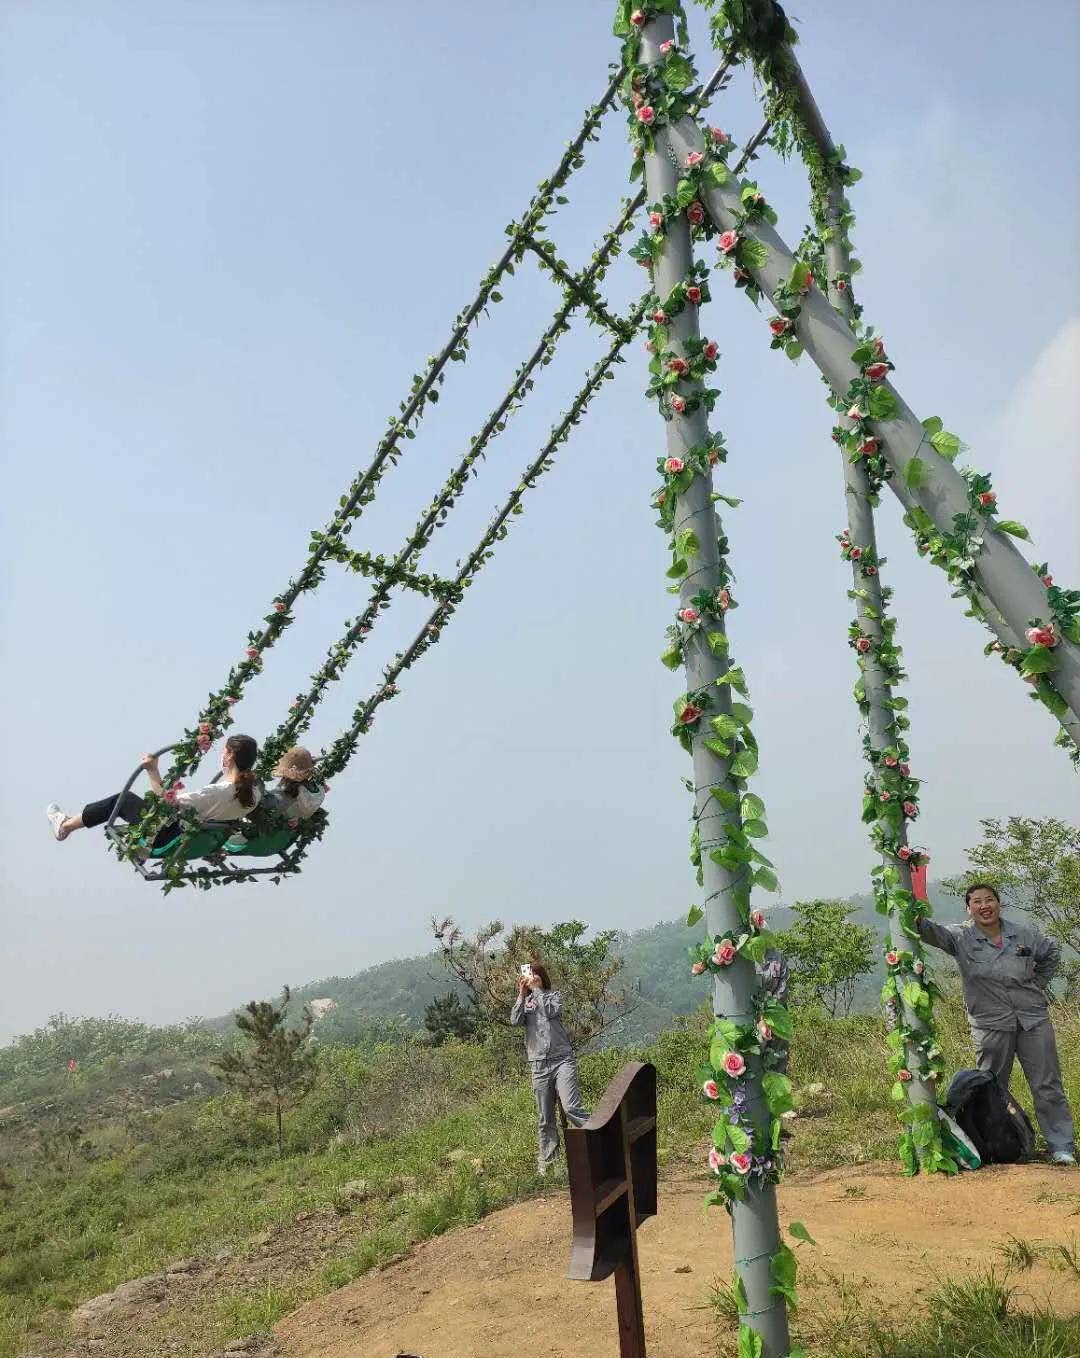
x=499, y=1288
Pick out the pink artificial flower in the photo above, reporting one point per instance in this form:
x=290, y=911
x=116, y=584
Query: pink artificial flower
x=910, y=810
x=869, y=446
x=433, y=629
x=665, y=47
x=646, y=114
x=695, y=213
x=204, y=728
x=723, y=600
x=876, y=371
x=903, y=853
x=841, y=286
x=1041, y=636
x=855, y=413
x=710, y=349
x=678, y=404
x=714, y=456
x=280, y=605
x=656, y=220
x=252, y=653
x=741, y=1162
x=292, y=824
x=694, y=158
x=741, y=276
x=689, y=715
x=919, y=968
x=689, y=615
x=719, y=135
x=638, y=18
x=232, y=700
x=870, y=570
x=650, y=347
x=661, y=497
x=780, y=325
x=892, y=958
x=879, y=347
x=903, y=1076
x=678, y=365
x=856, y=554
x=733, y=1064
x=764, y=1031
x=645, y=263
x=987, y=498
x=728, y=241
x=674, y=465
x=890, y=760
x=885, y=797
x=1048, y=580
x=757, y=919
x=693, y=294
x=905, y=769
x=697, y=968
x=170, y=795
x=660, y=316
x=716, y=1160
x=203, y=743
x=725, y=953
x=862, y=645
x=711, y=1089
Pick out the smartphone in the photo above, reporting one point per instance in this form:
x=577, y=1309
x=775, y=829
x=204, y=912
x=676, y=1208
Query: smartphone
x=526, y=970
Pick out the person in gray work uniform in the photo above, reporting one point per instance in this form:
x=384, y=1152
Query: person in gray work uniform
x=548, y=1051
x=1005, y=969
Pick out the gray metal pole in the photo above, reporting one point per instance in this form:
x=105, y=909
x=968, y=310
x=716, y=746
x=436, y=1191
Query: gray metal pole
x=754, y=1222
x=1001, y=571
x=881, y=718
x=837, y=260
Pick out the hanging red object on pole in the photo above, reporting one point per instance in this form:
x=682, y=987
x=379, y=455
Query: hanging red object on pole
x=918, y=882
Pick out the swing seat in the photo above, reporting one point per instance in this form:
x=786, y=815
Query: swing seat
x=202, y=844
x=261, y=846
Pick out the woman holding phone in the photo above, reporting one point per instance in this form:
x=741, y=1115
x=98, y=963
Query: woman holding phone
x=548, y=1050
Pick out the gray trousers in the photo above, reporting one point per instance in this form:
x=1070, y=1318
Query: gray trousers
x=995, y=1051
x=550, y=1078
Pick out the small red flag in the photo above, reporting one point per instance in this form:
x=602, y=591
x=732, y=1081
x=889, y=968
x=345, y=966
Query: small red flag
x=918, y=882
x=73, y=1065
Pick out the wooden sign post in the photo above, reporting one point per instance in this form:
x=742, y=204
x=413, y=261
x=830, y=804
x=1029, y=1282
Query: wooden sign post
x=612, y=1164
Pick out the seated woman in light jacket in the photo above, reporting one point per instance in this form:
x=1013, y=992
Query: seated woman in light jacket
x=231, y=798
x=548, y=1051
x=1005, y=969
x=299, y=794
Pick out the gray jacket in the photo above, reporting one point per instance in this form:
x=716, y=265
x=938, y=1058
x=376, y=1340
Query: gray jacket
x=1005, y=986
x=545, y=1036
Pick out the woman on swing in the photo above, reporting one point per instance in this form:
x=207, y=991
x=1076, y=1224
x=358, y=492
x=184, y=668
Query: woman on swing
x=231, y=798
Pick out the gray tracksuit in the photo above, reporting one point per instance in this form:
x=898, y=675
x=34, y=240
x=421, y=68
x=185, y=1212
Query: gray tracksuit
x=1006, y=1002
x=554, y=1070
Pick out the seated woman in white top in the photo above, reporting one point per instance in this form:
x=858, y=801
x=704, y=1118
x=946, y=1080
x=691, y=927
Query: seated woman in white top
x=231, y=798
x=298, y=795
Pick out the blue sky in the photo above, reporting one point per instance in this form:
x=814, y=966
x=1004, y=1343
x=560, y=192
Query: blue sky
x=232, y=231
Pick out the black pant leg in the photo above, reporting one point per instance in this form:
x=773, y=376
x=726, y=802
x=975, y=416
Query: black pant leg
x=97, y=813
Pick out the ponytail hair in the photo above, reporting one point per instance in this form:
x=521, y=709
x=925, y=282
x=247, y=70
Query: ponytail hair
x=244, y=752
x=290, y=787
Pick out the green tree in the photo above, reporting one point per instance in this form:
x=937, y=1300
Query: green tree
x=827, y=954
x=1034, y=865
x=275, y=1066
x=488, y=967
x=446, y=1016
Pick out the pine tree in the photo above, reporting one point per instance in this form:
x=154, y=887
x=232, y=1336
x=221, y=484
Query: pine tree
x=447, y=1017
x=276, y=1066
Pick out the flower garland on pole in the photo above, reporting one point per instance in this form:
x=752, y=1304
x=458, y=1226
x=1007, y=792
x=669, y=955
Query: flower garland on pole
x=758, y=30
x=712, y=720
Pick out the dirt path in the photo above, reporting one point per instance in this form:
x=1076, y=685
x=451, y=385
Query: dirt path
x=498, y=1289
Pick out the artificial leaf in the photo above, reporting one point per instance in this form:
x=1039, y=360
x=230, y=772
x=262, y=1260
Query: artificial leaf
x=766, y=878
x=751, y=1344
x=1014, y=529
x=915, y=474
x=756, y=829
x=933, y=424
x=752, y=807
x=718, y=642
x=881, y=404
x=694, y=914
x=678, y=73
x=745, y=763
x=948, y=445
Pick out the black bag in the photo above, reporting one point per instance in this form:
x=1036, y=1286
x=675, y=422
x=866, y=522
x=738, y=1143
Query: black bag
x=991, y=1117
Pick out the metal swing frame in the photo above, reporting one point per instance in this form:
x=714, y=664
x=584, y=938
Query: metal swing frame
x=284, y=866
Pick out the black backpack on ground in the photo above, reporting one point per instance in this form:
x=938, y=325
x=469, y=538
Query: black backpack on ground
x=999, y=1128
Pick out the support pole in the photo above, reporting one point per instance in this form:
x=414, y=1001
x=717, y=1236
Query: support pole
x=755, y=1223
x=881, y=718
x=1001, y=572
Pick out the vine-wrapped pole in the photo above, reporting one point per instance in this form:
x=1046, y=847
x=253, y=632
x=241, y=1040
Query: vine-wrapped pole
x=1002, y=573
x=867, y=591
x=755, y=1223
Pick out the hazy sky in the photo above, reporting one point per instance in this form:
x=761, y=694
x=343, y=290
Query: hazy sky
x=231, y=231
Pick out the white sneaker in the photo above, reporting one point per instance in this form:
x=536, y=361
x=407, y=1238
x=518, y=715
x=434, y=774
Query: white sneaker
x=56, y=820
x=1063, y=1158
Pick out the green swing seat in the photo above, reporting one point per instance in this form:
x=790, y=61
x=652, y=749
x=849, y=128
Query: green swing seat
x=209, y=840
x=261, y=846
